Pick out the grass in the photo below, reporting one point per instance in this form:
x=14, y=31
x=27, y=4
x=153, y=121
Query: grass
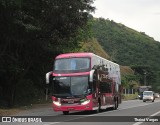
x=16, y=110
x=6, y=112
x=130, y=96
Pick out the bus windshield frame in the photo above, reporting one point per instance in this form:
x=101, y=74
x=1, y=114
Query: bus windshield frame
x=72, y=65
x=71, y=86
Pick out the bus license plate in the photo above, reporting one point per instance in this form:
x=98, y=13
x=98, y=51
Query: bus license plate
x=70, y=101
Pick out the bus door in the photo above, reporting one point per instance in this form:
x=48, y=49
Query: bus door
x=113, y=92
x=95, y=91
x=106, y=92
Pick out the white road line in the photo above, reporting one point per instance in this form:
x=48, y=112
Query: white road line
x=52, y=123
x=156, y=113
x=138, y=123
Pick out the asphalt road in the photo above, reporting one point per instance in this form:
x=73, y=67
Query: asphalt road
x=133, y=112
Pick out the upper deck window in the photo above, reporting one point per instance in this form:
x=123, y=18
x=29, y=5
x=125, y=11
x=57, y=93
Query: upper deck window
x=72, y=65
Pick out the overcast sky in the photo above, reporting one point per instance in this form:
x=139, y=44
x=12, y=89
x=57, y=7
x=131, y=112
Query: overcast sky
x=141, y=15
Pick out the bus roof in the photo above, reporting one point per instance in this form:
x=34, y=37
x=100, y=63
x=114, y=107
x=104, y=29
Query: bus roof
x=81, y=54
x=69, y=55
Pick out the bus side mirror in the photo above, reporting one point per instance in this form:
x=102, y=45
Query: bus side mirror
x=48, y=80
x=89, y=91
x=48, y=75
x=91, y=75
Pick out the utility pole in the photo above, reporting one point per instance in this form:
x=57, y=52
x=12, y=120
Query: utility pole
x=145, y=78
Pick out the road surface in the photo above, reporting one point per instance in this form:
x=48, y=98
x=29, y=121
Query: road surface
x=133, y=112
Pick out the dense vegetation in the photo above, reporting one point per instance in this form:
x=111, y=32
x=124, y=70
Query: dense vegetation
x=33, y=32
x=129, y=47
x=94, y=47
x=128, y=78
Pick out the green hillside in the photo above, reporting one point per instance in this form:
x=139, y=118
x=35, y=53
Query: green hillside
x=94, y=47
x=129, y=47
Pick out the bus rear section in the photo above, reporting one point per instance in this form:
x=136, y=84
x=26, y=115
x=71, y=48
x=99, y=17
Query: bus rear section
x=77, y=85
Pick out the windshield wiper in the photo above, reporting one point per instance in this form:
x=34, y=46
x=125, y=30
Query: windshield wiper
x=79, y=96
x=62, y=95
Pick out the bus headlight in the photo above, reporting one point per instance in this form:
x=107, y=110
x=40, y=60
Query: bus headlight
x=57, y=103
x=85, y=102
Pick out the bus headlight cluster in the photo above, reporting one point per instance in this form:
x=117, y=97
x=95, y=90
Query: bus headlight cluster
x=57, y=103
x=85, y=102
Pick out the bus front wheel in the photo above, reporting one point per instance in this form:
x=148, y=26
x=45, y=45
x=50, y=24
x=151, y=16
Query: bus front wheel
x=115, y=105
x=99, y=107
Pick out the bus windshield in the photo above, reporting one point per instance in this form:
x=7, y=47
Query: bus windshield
x=70, y=86
x=72, y=65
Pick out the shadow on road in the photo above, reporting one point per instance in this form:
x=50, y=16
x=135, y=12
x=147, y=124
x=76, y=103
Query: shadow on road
x=89, y=112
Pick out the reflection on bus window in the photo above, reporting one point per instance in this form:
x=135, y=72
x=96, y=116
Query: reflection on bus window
x=68, y=86
x=72, y=65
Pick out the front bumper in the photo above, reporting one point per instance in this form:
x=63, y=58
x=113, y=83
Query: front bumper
x=148, y=99
x=72, y=107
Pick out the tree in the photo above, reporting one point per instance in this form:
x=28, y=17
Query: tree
x=147, y=76
x=32, y=33
x=130, y=81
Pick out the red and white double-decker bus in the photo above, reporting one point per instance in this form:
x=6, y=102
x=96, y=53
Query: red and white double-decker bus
x=84, y=81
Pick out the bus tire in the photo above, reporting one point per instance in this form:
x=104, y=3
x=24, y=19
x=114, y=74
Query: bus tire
x=115, y=104
x=65, y=112
x=99, y=107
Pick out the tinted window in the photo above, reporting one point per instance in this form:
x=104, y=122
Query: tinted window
x=79, y=85
x=147, y=93
x=70, y=86
x=105, y=87
x=61, y=85
x=72, y=65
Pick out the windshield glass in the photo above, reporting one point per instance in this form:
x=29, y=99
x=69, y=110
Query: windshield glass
x=147, y=93
x=70, y=86
x=70, y=65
